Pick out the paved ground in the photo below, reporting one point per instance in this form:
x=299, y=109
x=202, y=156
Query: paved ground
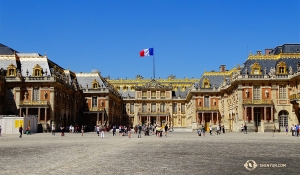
x=178, y=153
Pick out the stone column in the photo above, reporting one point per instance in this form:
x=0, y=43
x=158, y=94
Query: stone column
x=202, y=118
x=252, y=114
x=272, y=117
x=212, y=117
x=97, y=118
x=20, y=112
x=217, y=117
x=265, y=113
x=245, y=114
x=102, y=120
x=27, y=114
x=46, y=117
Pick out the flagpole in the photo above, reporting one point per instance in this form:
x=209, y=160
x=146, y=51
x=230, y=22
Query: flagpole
x=153, y=68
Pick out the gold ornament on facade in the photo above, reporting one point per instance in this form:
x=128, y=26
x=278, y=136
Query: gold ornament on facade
x=37, y=70
x=256, y=69
x=206, y=83
x=281, y=68
x=11, y=70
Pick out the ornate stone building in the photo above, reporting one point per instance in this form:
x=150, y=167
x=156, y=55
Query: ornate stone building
x=261, y=93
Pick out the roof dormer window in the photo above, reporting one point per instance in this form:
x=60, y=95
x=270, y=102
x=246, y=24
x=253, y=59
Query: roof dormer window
x=281, y=68
x=255, y=69
x=95, y=84
x=11, y=70
x=206, y=83
x=37, y=71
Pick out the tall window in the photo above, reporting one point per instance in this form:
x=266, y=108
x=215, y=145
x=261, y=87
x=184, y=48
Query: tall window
x=182, y=108
x=256, y=71
x=94, y=102
x=36, y=94
x=153, y=94
x=162, y=107
x=162, y=94
x=153, y=107
x=282, y=92
x=144, y=94
x=175, y=107
x=144, y=107
x=206, y=101
x=256, y=93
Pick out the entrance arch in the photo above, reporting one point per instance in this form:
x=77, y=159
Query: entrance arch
x=283, y=118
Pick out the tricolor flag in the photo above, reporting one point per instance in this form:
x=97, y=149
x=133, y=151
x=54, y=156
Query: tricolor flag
x=147, y=52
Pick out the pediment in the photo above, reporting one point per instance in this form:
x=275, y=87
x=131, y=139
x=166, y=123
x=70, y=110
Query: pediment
x=153, y=84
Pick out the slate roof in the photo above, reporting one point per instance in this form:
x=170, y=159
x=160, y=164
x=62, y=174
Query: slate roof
x=179, y=93
x=29, y=64
x=286, y=48
x=214, y=80
x=85, y=79
x=4, y=50
x=268, y=63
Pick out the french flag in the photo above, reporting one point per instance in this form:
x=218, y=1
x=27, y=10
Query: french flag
x=147, y=52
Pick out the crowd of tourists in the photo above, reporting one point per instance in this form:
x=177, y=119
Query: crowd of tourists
x=218, y=130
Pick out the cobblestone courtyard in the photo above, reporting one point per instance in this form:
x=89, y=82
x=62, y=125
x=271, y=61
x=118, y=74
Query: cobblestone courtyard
x=178, y=153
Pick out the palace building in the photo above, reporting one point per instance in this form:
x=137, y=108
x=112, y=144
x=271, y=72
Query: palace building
x=263, y=92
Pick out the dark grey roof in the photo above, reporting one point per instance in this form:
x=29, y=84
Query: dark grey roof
x=214, y=80
x=267, y=63
x=286, y=48
x=180, y=93
x=127, y=93
x=4, y=50
x=5, y=62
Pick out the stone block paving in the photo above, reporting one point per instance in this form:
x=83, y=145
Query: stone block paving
x=178, y=153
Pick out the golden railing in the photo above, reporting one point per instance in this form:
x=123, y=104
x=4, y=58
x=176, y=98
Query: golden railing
x=32, y=103
x=96, y=109
x=214, y=108
x=295, y=97
x=257, y=102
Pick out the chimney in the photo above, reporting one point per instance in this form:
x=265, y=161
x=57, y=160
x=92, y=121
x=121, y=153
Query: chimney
x=258, y=52
x=268, y=51
x=222, y=68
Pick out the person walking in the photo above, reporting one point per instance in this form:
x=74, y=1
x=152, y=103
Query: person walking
x=223, y=128
x=210, y=130
x=98, y=130
x=245, y=129
x=53, y=130
x=274, y=130
x=0, y=130
x=242, y=128
x=62, y=131
x=82, y=130
x=102, y=132
x=129, y=131
x=166, y=130
x=20, y=131
x=140, y=131
x=114, y=130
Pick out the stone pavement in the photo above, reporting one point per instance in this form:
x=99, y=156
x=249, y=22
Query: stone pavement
x=178, y=153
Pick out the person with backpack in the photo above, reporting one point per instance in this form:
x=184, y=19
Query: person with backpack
x=21, y=131
x=166, y=130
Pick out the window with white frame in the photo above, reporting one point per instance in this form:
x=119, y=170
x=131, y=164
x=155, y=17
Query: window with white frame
x=282, y=92
x=256, y=92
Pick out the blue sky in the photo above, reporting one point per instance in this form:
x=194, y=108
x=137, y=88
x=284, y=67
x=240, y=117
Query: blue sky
x=188, y=37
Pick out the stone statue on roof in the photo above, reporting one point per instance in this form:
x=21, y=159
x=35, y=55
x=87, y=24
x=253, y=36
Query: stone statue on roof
x=265, y=71
x=246, y=71
x=290, y=70
x=19, y=74
x=272, y=72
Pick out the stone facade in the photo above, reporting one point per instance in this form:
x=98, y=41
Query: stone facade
x=261, y=93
